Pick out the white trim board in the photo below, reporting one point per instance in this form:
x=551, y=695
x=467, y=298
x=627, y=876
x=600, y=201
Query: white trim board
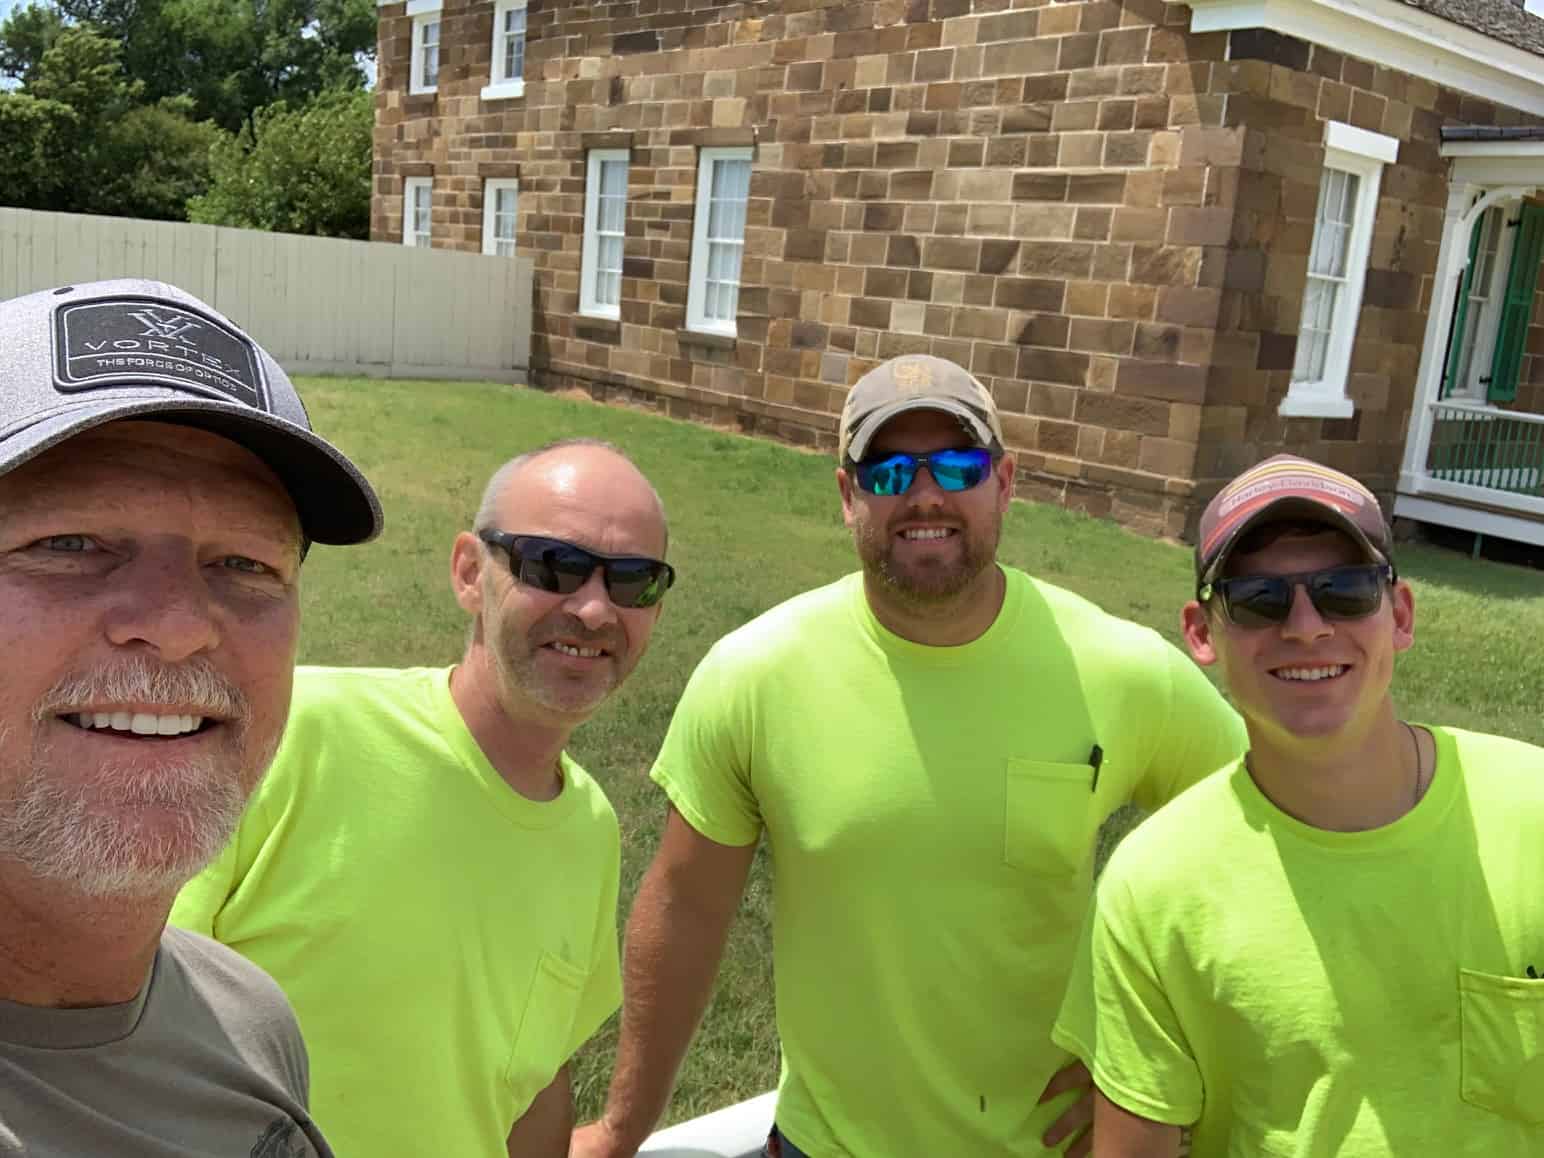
x=1499, y=526
x=1396, y=36
x=1495, y=148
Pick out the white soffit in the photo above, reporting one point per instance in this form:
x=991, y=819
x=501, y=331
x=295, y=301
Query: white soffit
x=1395, y=35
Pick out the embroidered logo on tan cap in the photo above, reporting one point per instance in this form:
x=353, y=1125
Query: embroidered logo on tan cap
x=913, y=377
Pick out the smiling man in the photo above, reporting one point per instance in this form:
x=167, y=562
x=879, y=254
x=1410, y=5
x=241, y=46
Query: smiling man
x=930, y=746
x=159, y=485
x=1332, y=947
x=426, y=872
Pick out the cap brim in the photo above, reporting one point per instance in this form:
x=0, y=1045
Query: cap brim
x=870, y=423
x=1286, y=509
x=336, y=505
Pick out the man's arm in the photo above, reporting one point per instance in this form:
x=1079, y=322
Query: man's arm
x=1118, y=1133
x=543, y=1130
x=675, y=937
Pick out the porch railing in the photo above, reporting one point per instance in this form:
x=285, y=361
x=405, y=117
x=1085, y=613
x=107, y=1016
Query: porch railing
x=1495, y=450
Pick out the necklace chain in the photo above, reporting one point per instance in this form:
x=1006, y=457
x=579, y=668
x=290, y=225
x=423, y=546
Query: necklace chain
x=1419, y=776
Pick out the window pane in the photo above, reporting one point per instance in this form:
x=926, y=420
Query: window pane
x=613, y=178
x=513, y=34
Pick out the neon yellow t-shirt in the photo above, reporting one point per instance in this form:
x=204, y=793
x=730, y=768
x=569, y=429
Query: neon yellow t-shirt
x=1300, y=992
x=931, y=814
x=447, y=943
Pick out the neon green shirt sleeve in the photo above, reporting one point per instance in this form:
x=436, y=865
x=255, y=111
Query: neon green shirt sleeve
x=704, y=765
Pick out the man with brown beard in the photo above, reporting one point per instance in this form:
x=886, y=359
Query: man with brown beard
x=930, y=746
x=426, y=872
x=159, y=486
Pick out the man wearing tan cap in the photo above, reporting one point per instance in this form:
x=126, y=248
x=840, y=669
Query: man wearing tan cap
x=1334, y=945
x=930, y=746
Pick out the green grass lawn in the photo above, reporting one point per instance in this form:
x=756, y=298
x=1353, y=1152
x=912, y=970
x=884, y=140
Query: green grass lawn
x=751, y=524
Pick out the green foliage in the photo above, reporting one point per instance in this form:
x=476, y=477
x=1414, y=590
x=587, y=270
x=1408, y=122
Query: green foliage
x=35, y=137
x=235, y=56
x=295, y=170
x=122, y=101
x=25, y=36
x=85, y=141
x=153, y=160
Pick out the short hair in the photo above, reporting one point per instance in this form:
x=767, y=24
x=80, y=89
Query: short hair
x=485, y=518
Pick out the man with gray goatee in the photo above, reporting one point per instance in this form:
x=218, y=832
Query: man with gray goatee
x=159, y=488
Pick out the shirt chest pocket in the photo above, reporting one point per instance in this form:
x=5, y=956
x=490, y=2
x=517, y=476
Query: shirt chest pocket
x=1048, y=810
x=546, y=1027
x=1502, y=1022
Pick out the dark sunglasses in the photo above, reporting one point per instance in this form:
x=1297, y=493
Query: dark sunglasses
x=1256, y=601
x=952, y=470
x=562, y=567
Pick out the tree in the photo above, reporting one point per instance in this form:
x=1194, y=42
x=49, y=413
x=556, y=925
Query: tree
x=235, y=56
x=25, y=36
x=34, y=147
x=296, y=170
x=93, y=145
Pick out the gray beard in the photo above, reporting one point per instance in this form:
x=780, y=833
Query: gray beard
x=86, y=834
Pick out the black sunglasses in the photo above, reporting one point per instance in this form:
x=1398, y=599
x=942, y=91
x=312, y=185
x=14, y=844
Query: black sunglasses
x=952, y=470
x=562, y=567
x=1256, y=601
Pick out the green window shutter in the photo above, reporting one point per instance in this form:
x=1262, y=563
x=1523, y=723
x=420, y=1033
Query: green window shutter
x=1517, y=303
x=1455, y=357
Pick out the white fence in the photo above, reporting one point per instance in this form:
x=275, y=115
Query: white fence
x=318, y=305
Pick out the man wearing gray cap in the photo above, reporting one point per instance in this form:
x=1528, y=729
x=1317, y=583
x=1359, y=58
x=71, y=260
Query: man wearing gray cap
x=1362, y=975
x=930, y=746
x=159, y=486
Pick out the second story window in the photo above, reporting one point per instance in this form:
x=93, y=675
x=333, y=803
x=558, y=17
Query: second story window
x=506, y=73
x=1337, y=270
x=424, y=73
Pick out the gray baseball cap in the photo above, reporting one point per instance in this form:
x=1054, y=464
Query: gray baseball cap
x=80, y=356
x=916, y=382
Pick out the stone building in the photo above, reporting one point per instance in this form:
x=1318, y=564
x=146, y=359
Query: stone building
x=1170, y=238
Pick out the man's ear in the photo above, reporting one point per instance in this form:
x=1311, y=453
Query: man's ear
x=1196, y=624
x=1007, y=467
x=1404, y=615
x=466, y=564
x=846, y=486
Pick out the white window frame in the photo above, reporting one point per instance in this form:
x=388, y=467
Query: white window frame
x=410, y=235
x=697, y=280
x=492, y=187
x=1347, y=149
x=588, y=273
x=425, y=14
x=501, y=86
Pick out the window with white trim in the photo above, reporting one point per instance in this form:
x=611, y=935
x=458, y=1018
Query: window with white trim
x=506, y=73
x=718, y=240
x=605, y=227
x=500, y=204
x=424, y=71
x=417, y=200
x=1337, y=270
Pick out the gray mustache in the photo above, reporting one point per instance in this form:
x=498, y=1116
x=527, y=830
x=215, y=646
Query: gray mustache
x=194, y=686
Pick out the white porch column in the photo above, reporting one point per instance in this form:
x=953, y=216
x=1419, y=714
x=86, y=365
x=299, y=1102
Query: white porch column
x=1452, y=257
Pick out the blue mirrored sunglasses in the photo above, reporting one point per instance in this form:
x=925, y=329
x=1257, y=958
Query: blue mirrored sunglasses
x=952, y=470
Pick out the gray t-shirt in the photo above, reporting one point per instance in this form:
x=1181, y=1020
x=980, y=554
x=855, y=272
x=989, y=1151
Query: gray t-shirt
x=206, y=1062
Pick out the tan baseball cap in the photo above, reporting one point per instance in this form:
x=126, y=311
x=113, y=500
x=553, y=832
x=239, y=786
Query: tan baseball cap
x=1286, y=487
x=916, y=382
